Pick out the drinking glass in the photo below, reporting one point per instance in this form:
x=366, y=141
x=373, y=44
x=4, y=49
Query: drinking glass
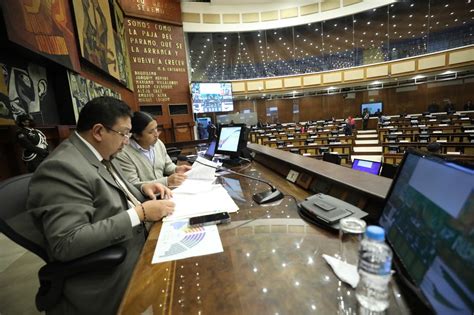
x=350, y=234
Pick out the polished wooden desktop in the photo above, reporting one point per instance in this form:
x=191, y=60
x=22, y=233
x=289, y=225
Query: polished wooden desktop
x=271, y=264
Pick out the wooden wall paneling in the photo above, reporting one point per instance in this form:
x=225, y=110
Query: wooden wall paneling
x=285, y=110
x=183, y=126
x=309, y=107
x=409, y=99
x=183, y=131
x=243, y=105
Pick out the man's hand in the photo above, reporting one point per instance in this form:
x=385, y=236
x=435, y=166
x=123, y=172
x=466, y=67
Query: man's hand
x=151, y=189
x=155, y=209
x=182, y=169
x=176, y=179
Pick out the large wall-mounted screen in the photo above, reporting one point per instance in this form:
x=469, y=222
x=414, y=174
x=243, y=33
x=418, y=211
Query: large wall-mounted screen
x=212, y=97
x=374, y=109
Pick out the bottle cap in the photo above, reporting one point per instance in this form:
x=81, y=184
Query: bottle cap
x=375, y=232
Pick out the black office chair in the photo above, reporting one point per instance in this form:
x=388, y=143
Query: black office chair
x=332, y=158
x=322, y=150
x=173, y=153
x=392, y=138
x=424, y=138
x=17, y=224
x=389, y=170
x=393, y=149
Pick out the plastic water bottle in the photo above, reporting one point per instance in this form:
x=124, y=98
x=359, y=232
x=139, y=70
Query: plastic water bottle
x=375, y=261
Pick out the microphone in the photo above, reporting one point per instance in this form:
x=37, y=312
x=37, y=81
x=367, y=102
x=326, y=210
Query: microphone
x=261, y=198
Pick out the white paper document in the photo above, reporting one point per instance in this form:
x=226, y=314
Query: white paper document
x=202, y=169
x=178, y=240
x=194, y=186
x=206, y=202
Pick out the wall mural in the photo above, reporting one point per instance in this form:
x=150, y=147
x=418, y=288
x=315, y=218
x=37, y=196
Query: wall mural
x=83, y=90
x=123, y=58
x=45, y=27
x=22, y=90
x=96, y=35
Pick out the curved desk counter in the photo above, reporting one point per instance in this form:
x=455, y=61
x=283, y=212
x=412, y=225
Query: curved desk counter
x=271, y=264
x=364, y=190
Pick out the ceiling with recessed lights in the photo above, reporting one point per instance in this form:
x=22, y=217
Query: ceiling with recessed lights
x=399, y=30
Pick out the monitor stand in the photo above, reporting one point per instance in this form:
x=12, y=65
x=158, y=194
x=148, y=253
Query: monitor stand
x=230, y=161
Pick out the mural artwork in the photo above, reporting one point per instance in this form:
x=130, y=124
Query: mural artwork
x=96, y=35
x=22, y=90
x=123, y=59
x=83, y=90
x=45, y=27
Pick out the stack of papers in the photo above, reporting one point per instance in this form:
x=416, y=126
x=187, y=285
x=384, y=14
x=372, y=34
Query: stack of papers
x=198, y=195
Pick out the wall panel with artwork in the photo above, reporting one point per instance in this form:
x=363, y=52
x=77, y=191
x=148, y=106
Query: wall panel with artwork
x=44, y=27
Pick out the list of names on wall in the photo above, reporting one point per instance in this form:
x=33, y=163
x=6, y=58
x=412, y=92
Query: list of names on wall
x=158, y=61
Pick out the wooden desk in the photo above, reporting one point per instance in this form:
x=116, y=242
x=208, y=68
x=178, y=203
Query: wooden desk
x=271, y=264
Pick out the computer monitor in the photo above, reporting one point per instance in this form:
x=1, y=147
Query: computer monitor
x=370, y=167
x=211, y=150
x=230, y=140
x=428, y=218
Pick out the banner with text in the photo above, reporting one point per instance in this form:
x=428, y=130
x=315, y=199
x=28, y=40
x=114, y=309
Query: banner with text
x=157, y=10
x=158, y=62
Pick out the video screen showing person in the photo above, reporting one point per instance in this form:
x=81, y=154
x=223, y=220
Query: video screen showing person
x=366, y=166
x=212, y=97
x=229, y=137
x=429, y=219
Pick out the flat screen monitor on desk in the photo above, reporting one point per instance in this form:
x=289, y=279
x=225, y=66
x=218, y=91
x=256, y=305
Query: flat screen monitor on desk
x=428, y=219
x=230, y=140
x=366, y=166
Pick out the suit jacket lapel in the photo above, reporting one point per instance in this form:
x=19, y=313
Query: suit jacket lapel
x=103, y=172
x=86, y=152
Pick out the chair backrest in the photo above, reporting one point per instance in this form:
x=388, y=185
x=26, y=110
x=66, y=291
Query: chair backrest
x=15, y=222
x=388, y=170
x=332, y=158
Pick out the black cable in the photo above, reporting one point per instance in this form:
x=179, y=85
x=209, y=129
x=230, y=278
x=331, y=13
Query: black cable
x=294, y=198
x=240, y=174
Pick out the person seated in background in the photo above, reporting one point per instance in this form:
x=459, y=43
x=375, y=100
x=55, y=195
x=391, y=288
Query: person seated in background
x=434, y=147
x=347, y=129
x=78, y=199
x=201, y=132
x=211, y=131
x=144, y=159
x=33, y=142
x=351, y=121
x=448, y=106
x=433, y=107
x=469, y=105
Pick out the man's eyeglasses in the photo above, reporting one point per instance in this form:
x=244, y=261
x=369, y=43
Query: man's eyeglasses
x=127, y=135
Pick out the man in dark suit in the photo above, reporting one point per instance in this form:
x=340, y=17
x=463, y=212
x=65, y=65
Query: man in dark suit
x=81, y=206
